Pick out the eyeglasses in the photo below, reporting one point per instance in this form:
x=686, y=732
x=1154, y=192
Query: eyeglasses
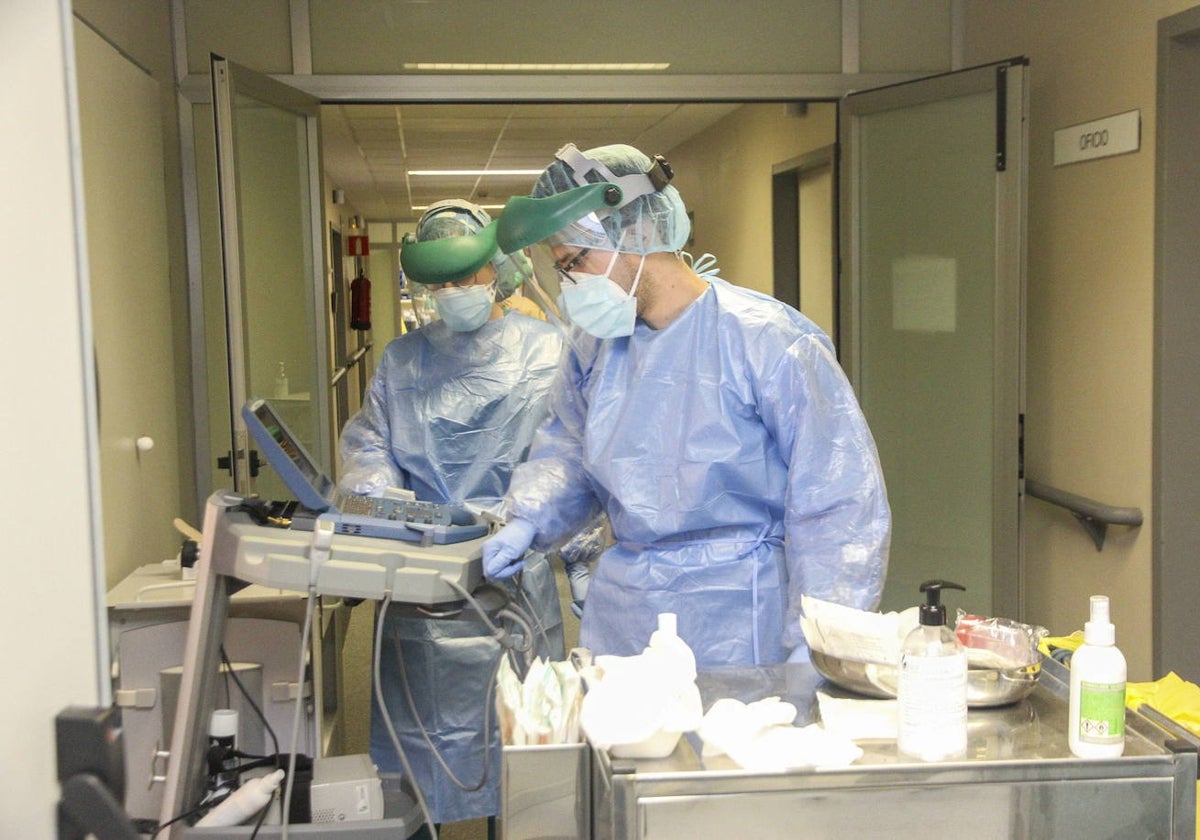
x=564, y=268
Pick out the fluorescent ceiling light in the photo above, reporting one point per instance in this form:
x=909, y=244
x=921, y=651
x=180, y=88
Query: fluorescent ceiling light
x=626, y=67
x=475, y=172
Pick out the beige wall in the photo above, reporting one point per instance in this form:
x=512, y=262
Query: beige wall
x=131, y=305
x=141, y=29
x=1090, y=300
x=724, y=176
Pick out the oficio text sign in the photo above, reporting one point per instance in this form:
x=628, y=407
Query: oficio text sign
x=1114, y=135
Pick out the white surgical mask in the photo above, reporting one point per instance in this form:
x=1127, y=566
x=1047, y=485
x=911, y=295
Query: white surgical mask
x=465, y=308
x=599, y=306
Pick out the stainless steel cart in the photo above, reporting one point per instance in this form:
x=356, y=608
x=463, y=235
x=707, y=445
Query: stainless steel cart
x=1019, y=781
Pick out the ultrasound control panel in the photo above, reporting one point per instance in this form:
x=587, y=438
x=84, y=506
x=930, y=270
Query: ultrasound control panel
x=425, y=522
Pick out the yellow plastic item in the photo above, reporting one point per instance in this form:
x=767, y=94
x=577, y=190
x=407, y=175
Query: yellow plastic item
x=1174, y=697
x=1071, y=642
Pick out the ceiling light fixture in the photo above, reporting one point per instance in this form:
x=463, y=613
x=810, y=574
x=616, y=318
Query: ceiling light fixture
x=462, y=172
x=474, y=67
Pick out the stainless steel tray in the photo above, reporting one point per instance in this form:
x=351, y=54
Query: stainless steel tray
x=986, y=687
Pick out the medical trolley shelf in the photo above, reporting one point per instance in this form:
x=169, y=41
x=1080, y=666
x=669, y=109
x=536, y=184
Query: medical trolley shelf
x=236, y=551
x=1020, y=780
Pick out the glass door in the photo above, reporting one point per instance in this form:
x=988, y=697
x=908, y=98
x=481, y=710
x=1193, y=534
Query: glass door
x=932, y=296
x=268, y=168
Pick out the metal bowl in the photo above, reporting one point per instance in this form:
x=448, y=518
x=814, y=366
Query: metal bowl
x=986, y=687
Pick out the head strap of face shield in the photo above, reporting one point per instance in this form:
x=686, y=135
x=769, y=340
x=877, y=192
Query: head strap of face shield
x=457, y=206
x=632, y=186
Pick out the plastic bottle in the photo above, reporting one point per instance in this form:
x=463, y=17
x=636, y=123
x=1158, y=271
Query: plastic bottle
x=932, y=695
x=222, y=763
x=244, y=802
x=1096, y=712
x=281, y=382
x=677, y=655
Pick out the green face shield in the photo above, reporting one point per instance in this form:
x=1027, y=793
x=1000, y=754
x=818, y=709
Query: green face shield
x=448, y=260
x=528, y=220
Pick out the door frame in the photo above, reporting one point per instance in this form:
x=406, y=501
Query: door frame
x=786, y=246
x=1176, y=461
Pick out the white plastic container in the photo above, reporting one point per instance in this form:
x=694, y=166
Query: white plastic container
x=932, y=689
x=644, y=703
x=1096, y=710
x=222, y=735
x=674, y=651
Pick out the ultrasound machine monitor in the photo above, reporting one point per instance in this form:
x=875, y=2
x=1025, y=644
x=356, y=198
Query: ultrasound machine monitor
x=409, y=520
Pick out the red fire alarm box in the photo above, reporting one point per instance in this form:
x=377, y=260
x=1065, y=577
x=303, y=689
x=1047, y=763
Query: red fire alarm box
x=357, y=246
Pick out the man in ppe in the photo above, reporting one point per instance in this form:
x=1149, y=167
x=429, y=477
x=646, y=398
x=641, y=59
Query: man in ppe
x=712, y=423
x=450, y=412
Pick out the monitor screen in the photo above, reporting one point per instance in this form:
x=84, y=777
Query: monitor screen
x=291, y=447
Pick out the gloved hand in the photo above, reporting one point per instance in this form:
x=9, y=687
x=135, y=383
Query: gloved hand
x=504, y=553
x=578, y=576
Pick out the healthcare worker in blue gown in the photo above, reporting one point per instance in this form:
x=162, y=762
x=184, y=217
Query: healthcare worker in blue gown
x=449, y=414
x=712, y=423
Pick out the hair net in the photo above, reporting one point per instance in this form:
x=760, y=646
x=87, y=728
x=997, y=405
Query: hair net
x=654, y=221
x=457, y=217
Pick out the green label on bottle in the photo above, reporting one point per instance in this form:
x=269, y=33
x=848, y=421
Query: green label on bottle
x=1101, y=712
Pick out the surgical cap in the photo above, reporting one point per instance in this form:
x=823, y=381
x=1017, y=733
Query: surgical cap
x=456, y=217
x=655, y=221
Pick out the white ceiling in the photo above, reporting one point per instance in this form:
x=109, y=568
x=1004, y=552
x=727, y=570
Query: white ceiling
x=368, y=150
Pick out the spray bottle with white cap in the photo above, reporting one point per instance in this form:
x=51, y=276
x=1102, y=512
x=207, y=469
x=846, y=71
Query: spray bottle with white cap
x=1096, y=713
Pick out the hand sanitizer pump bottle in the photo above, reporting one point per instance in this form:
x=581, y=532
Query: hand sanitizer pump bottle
x=1096, y=710
x=932, y=695
x=281, y=382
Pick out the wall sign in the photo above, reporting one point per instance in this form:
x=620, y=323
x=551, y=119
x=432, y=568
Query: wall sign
x=1114, y=135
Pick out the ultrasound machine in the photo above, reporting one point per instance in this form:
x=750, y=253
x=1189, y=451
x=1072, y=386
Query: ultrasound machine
x=324, y=542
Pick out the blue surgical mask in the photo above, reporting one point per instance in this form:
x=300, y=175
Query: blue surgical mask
x=465, y=308
x=599, y=306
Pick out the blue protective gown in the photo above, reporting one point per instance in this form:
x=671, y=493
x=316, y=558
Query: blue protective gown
x=449, y=416
x=736, y=468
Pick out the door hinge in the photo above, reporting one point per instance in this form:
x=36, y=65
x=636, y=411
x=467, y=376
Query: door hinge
x=225, y=462
x=1021, y=446
x=1002, y=118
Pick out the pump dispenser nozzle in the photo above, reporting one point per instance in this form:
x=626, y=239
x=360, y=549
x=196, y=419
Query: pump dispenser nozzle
x=1099, y=628
x=933, y=612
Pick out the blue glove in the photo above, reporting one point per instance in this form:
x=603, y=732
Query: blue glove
x=578, y=576
x=504, y=553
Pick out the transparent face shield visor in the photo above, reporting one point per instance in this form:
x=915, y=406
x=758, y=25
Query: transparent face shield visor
x=535, y=226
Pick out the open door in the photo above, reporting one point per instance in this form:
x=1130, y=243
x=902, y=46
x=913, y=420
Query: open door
x=268, y=169
x=932, y=313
